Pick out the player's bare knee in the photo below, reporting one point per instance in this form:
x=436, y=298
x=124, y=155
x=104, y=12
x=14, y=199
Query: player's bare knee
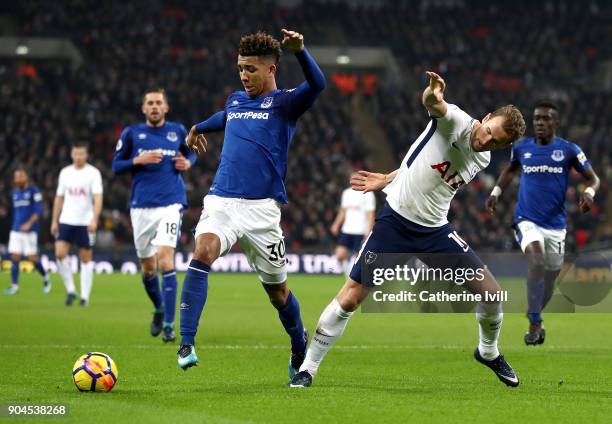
x=207, y=248
x=148, y=266
x=85, y=255
x=15, y=258
x=341, y=253
x=277, y=293
x=351, y=295
x=165, y=259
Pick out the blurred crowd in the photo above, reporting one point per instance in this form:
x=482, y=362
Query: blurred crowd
x=490, y=54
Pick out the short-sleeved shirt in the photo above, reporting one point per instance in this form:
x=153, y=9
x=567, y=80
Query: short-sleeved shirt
x=78, y=186
x=439, y=162
x=545, y=170
x=357, y=205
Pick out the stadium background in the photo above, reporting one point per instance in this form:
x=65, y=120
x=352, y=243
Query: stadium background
x=490, y=53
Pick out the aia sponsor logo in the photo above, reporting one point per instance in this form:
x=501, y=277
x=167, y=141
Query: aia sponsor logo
x=454, y=180
x=76, y=191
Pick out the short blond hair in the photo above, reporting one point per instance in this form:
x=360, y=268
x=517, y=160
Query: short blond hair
x=514, y=123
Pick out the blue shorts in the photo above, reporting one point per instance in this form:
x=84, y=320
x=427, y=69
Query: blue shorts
x=76, y=234
x=392, y=233
x=351, y=241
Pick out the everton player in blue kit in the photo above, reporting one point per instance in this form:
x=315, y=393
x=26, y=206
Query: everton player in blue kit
x=544, y=162
x=243, y=201
x=155, y=152
x=23, y=240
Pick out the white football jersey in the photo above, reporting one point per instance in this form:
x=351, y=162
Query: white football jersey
x=439, y=162
x=357, y=205
x=78, y=187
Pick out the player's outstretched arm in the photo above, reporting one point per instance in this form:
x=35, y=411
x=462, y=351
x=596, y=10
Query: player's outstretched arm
x=335, y=227
x=371, y=181
x=196, y=141
x=505, y=178
x=304, y=95
x=588, y=195
x=433, y=95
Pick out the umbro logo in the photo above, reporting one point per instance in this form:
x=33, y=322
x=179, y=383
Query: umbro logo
x=527, y=155
x=235, y=102
x=184, y=305
x=142, y=136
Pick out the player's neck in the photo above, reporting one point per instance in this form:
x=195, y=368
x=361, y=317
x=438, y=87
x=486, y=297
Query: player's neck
x=545, y=140
x=154, y=125
x=77, y=166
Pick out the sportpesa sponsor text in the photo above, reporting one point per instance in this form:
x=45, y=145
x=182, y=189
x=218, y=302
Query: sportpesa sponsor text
x=543, y=169
x=247, y=115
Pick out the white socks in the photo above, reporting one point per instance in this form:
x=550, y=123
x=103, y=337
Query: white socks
x=86, y=279
x=490, y=319
x=65, y=270
x=330, y=327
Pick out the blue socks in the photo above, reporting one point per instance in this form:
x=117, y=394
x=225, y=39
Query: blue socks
x=169, y=286
x=535, y=297
x=193, y=299
x=14, y=272
x=151, y=285
x=41, y=270
x=290, y=317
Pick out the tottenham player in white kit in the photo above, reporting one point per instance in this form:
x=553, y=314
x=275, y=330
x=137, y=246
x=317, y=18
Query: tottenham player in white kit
x=76, y=210
x=356, y=216
x=448, y=154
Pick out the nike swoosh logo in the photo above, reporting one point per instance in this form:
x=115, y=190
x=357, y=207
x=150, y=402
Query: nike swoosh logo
x=512, y=379
x=317, y=331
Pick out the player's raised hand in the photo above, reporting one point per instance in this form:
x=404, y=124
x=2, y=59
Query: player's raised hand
x=585, y=203
x=292, y=40
x=436, y=85
x=368, y=181
x=181, y=163
x=197, y=143
x=491, y=204
x=148, y=158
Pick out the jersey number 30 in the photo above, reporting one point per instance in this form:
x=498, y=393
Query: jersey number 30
x=277, y=251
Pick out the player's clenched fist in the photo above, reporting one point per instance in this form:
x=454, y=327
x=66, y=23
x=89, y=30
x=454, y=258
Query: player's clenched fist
x=292, y=40
x=197, y=143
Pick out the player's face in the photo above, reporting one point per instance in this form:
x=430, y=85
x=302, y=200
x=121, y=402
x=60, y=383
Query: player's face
x=490, y=135
x=20, y=178
x=256, y=74
x=154, y=108
x=79, y=156
x=544, y=122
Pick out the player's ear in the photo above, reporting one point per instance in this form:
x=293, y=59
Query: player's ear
x=272, y=69
x=486, y=118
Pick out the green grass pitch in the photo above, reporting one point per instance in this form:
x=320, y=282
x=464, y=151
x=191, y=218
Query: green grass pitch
x=387, y=368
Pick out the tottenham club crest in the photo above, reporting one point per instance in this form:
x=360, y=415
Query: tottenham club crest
x=266, y=103
x=370, y=257
x=172, y=136
x=557, y=155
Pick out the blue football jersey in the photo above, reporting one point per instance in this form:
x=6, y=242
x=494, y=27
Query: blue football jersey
x=258, y=133
x=153, y=185
x=544, y=177
x=26, y=203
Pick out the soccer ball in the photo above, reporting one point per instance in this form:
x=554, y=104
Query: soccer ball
x=95, y=372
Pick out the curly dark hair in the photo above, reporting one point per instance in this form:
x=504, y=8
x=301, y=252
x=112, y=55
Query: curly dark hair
x=260, y=44
x=514, y=124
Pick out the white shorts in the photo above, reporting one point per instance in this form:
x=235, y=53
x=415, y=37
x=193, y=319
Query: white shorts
x=155, y=227
x=553, y=242
x=21, y=243
x=256, y=225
